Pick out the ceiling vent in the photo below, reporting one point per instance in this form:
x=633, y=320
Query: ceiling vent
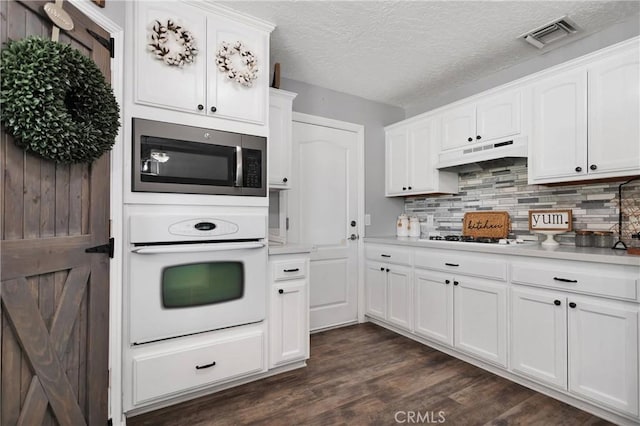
x=551, y=32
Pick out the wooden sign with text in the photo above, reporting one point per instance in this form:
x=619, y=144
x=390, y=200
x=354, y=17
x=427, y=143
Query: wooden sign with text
x=491, y=224
x=550, y=220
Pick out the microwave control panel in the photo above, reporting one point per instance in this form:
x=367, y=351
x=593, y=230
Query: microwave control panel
x=252, y=165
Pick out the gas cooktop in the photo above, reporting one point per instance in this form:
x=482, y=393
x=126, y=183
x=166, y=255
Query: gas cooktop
x=480, y=240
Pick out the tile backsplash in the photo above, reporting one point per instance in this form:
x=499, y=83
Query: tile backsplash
x=594, y=205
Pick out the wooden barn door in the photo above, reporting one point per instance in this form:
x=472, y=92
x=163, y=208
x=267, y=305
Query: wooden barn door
x=54, y=331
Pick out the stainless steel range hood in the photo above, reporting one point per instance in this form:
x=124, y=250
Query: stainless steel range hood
x=484, y=156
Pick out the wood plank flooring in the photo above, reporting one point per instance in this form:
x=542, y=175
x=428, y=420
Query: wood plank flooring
x=367, y=375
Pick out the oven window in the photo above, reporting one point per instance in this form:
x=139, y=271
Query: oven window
x=200, y=284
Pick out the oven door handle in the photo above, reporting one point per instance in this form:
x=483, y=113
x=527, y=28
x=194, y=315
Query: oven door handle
x=197, y=248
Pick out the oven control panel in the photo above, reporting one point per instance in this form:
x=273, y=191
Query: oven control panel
x=205, y=227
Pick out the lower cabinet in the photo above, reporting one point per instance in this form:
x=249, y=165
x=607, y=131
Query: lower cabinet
x=389, y=293
x=289, y=310
x=465, y=312
x=581, y=344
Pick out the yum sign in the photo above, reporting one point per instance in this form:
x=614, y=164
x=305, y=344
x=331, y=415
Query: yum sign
x=550, y=220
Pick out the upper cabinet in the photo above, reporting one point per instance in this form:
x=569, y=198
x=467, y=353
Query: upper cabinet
x=171, y=76
x=491, y=117
x=585, y=121
x=410, y=157
x=280, y=119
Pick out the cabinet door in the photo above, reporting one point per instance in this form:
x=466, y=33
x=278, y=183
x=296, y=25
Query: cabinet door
x=499, y=116
x=289, y=320
x=423, y=145
x=539, y=336
x=400, y=296
x=458, y=126
x=169, y=86
x=614, y=108
x=227, y=98
x=559, y=131
x=480, y=312
x=280, y=116
x=376, y=290
x=603, y=352
x=396, y=166
x=434, y=306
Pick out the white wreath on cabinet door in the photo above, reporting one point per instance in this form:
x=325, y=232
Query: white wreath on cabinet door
x=172, y=43
x=225, y=63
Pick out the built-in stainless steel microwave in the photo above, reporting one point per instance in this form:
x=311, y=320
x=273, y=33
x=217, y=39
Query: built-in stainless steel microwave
x=193, y=160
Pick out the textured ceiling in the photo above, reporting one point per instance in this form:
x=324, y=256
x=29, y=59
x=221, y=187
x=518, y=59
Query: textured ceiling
x=399, y=52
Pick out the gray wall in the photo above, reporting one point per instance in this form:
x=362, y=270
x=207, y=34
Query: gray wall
x=593, y=42
x=374, y=116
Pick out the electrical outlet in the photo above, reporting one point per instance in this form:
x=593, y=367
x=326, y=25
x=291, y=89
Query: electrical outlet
x=430, y=220
x=367, y=219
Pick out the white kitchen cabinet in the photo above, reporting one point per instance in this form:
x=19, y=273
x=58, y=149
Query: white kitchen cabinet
x=376, y=290
x=480, y=318
x=585, y=121
x=603, y=352
x=199, y=87
x=410, y=156
x=539, y=335
x=491, y=117
x=289, y=309
x=389, y=292
x=280, y=124
x=434, y=306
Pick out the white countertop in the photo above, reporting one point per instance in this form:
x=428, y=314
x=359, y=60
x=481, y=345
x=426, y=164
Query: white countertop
x=277, y=248
x=565, y=252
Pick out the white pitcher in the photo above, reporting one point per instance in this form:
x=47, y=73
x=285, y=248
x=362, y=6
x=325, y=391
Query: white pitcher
x=414, y=226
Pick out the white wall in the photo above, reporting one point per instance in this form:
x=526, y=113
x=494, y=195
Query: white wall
x=614, y=34
x=374, y=116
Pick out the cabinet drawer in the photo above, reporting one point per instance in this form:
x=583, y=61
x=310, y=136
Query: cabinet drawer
x=391, y=254
x=289, y=270
x=599, y=279
x=173, y=372
x=477, y=265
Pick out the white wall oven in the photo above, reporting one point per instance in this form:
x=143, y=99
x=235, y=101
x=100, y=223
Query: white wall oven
x=174, y=158
x=190, y=274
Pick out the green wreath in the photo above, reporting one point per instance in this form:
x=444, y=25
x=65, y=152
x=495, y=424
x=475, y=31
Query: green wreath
x=55, y=102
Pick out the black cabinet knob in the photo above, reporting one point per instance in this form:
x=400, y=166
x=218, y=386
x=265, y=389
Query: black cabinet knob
x=280, y=291
x=557, y=302
x=200, y=107
x=404, y=188
x=593, y=167
x=470, y=139
x=578, y=169
x=409, y=188
x=387, y=269
x=572, y=305
x=213, y=109
x=285, y=180
x=478, y=137
x=382, y=269
x=447, y=281
x=456, y=283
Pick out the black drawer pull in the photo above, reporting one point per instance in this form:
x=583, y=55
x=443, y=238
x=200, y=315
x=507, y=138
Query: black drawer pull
x=292, y=270
x=565, y=280
x=452, y=264
x=385, y=255
x=202, y=367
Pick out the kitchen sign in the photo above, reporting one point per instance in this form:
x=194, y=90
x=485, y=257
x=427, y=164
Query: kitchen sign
x=550, y=220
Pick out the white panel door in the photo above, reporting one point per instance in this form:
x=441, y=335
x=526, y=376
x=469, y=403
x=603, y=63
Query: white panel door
x=603, y=352
x=499, y=116
x=396, y=161
x=559, y=131
x=539, y=335
x=480, y=319
x=400, y=296
x=279, y=145
x=288, y=322
x=459, y=127
x=434, y=305
x=614, y=111
x=323, y=203
x=423, y=146
x=376, y=290
x=170, y=86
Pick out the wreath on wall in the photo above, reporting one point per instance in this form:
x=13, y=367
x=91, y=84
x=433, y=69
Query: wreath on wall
x=171, y=43
x=55, y=101
x=225, y=63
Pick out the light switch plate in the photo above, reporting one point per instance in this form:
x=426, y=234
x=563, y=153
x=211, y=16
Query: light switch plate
x=367, y=219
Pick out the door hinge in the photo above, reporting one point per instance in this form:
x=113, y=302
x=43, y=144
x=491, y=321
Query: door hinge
x=106, y=42
x=287, y=225
x=104, y=248
x=110, y=422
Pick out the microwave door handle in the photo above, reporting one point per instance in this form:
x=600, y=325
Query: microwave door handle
x=239, y=179
x=196, y=248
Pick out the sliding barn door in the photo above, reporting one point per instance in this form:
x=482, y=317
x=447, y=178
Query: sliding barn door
x=54, y=331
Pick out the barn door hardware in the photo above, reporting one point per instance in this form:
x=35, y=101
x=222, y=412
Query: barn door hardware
x=104, y=248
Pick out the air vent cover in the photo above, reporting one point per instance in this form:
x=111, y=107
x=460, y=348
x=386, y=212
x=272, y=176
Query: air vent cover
x=551, y=32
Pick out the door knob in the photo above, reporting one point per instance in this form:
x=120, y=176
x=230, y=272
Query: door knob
x=354, y=237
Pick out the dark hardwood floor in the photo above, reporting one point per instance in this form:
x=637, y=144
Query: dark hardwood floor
x=367, y=375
